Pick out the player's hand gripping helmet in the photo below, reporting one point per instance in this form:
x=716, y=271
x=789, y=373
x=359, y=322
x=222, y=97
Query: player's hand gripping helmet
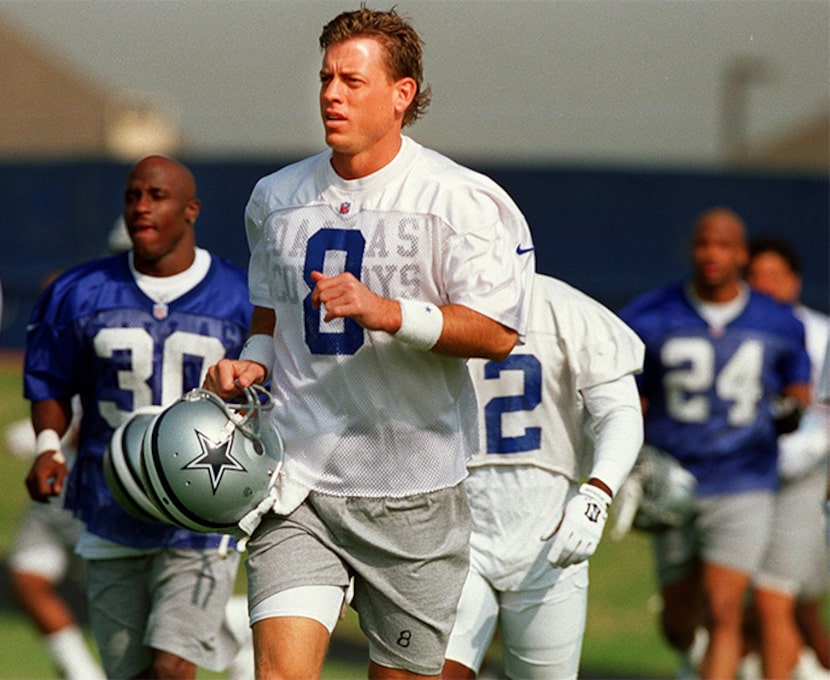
x=123, y=468
x=209, y=463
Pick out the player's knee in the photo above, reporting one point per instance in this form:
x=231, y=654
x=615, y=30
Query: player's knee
x=171, y=667
x=725, y=610
x=27, y=587
x=453, y=670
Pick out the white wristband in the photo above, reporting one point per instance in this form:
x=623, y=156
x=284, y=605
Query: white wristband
x=260, y=349
x=421, y=324
x=49, y=440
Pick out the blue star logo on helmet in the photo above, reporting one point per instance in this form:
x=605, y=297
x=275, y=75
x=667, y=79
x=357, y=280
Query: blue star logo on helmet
x=215, y=458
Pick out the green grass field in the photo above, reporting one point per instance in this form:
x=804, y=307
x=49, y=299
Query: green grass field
x=621, y=638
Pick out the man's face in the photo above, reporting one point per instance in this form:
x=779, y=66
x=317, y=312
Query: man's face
x=159, y=210
x=718, y=252
x=360, y=103
x=770, y=273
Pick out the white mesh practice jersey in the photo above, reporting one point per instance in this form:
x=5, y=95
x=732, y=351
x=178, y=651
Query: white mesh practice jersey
x=363, y=414
x=530, y=407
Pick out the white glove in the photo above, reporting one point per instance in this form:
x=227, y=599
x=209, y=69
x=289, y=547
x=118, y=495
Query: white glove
x=577, y=536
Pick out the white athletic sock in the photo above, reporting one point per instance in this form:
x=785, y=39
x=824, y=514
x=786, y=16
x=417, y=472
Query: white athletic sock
x=691, y=659
x=750, y=667
x=70, y=652
x=808, y=667
x=698, y=649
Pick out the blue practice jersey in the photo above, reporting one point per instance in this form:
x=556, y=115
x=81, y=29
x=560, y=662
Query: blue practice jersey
x=93, y=332
x=710, y=391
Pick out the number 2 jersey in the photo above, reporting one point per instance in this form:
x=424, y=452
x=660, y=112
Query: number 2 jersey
x=536, y=433
x=361, y=413
x=710, y=390
x=93, y=332
x=531, y=411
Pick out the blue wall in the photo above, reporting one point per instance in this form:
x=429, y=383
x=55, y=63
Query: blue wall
x=614, y=233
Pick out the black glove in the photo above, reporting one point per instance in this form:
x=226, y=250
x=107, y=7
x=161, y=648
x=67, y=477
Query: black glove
x=786, y=412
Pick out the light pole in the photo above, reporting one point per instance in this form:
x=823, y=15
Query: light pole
x=740, y=73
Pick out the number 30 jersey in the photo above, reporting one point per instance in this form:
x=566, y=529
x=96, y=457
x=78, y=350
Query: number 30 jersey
x=94, y=333
x=709, y=391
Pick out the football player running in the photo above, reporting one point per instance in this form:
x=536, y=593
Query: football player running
x=796, y=586
x=717, y=355
x=560, y=427
x=127, y=332
x=377, y=267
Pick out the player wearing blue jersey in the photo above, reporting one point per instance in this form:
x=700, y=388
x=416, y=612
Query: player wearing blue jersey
x=376, y=267
x=717, y=355
x=795, y=587
x=560, y=427
x=125, y=332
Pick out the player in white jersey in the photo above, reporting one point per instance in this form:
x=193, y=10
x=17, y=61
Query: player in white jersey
x=376, y=268
x=560, y=427
x=797, y=586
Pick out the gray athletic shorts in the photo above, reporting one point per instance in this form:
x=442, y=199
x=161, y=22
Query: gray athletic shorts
x=797, y=557
x=408, y=556
x=173, y=600
x=45, y=541
x=731, y=530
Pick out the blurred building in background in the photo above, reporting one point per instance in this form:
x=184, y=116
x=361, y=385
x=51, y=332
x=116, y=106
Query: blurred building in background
x=51, y=111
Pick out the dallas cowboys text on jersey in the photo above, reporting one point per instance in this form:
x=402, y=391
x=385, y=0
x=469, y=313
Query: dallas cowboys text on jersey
x=420, y=228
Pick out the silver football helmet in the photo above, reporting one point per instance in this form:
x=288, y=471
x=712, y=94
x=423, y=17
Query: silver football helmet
x=208, y=462
x=123, y=469
x=667, y=488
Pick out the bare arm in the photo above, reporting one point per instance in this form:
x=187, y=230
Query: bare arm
x=466, y=333
x=48, y=471
x=227, y=377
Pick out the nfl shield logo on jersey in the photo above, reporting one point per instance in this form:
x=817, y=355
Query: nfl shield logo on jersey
x=160, y=311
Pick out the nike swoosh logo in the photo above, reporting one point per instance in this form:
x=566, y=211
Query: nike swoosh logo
x=522, y=251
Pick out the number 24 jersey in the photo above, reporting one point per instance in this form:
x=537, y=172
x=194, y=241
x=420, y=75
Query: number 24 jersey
x=709, y=391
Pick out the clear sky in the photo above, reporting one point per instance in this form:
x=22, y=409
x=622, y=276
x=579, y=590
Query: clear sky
x=516, y=80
